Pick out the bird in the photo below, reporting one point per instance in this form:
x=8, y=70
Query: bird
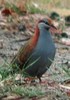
x=37, y=55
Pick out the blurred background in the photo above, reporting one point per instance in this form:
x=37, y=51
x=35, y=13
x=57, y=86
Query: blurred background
x=60, y=6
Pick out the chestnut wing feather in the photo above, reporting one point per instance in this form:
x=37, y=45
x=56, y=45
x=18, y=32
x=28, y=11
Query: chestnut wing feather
x=23, y=54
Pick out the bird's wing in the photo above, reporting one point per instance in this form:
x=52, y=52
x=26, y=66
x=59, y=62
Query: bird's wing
x=23, y=53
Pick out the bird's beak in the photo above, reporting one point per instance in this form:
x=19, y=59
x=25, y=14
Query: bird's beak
x=53, y=27
x=54, y=30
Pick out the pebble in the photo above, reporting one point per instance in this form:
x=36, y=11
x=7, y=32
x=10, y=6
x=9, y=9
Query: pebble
x=21, y=27
x=1, y=44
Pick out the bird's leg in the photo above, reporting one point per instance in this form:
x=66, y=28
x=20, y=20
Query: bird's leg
x=42, y=82
x=40, y=79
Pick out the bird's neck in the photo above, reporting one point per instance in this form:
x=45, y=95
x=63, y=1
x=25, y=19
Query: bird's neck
x=36, y=36
x=44, y=33
x=45, y=37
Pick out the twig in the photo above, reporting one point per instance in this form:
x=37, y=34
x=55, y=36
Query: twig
x=17, y=98
x=3, y=96
x=64, y=87
x=21, y=40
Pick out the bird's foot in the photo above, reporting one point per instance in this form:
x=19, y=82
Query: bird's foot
x=29, y=80
x=43, y=82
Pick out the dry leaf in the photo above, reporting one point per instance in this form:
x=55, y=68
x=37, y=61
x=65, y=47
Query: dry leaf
x=6, y=12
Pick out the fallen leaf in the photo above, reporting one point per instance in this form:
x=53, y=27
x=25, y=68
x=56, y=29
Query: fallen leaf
x=6, y=12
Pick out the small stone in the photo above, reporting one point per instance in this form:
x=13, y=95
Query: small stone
x=18, y=77
x=21, y=27
x=65, y=41
x=1, y=44
x=14, y=47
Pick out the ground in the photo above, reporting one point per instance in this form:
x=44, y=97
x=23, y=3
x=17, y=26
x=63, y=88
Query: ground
x=11, y=39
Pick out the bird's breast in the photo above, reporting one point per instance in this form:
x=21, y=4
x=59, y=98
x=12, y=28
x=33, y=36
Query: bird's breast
x=45, y=48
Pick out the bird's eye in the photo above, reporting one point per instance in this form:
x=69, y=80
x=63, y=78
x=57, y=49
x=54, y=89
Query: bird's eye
x=44, y=21
x=47, y=26
x=47, y=23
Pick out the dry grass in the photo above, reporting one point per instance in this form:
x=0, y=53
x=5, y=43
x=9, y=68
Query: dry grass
x=53, y=3
x=62, y=12
x=60, y=6
x=44, y=3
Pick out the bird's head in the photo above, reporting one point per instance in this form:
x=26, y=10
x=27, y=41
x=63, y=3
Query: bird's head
x=48, y=24
x=44, y=24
